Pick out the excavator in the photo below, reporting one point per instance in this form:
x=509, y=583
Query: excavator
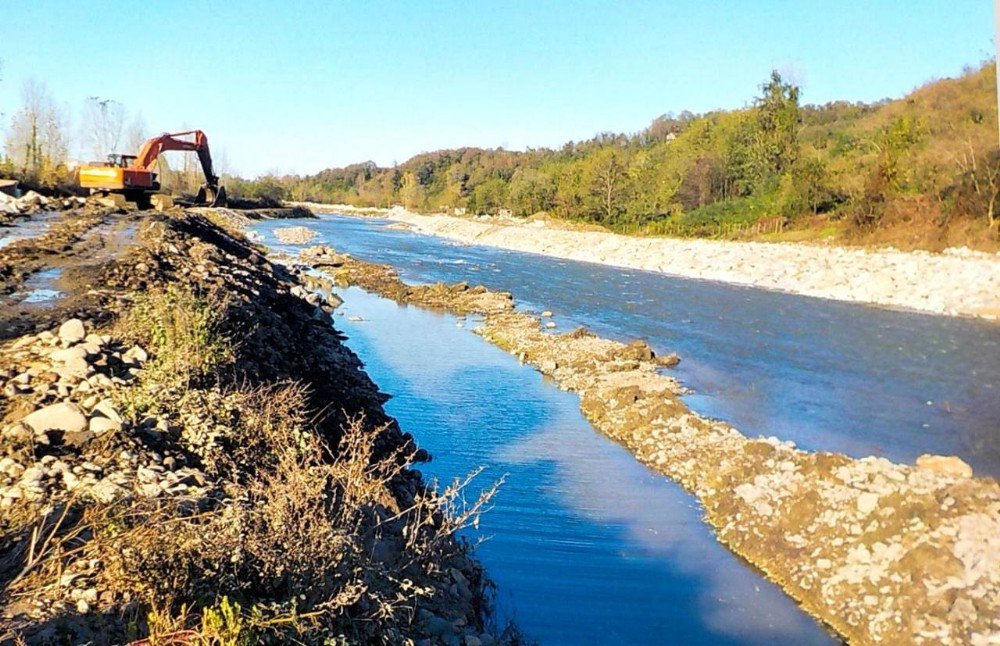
x=132, y=176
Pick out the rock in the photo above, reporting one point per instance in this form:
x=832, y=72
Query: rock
x=100, y=425
x=294, y=235
x=65, y=355
x=72, y=331
x=867, y=503
x=669, y=361
x=63, y=416
x=550, y=324
x=135, y=354
x=945, y=464
x=546, y=314
x=105, y=491
x=82, y=607
x=77, y=368
x=107, y=408
x=78, y=439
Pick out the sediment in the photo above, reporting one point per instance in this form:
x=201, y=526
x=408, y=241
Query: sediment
x=880, y=552
x=189, y=452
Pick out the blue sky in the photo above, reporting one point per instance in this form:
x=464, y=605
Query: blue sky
x=300, y=86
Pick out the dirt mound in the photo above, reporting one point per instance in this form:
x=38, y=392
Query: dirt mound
x=208, y=461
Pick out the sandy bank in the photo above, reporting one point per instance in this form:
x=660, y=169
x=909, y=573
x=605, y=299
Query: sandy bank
x=958, y=282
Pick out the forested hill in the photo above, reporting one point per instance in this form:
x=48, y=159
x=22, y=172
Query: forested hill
x=920, y=171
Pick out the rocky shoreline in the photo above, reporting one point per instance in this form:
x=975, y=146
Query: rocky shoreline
x=880, y=552
x=957, y=282
x=189, y=452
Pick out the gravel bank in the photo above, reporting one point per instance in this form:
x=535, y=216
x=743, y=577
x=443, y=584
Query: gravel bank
x=190, y=454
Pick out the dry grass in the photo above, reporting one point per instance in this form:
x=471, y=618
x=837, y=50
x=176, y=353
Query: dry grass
x=290, y=539
x=182, y=330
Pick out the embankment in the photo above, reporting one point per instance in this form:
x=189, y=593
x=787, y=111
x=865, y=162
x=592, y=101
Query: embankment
x=190, y=454
x=956, y=282
x=881, y=552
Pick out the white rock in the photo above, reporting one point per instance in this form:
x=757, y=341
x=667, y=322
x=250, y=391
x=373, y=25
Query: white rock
x=72, y=331
x=946, y=465
x=107, y=408
x=101, y=425
x=63, y=416
x=867, y=502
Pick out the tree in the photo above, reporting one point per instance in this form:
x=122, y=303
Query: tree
x=103, y=126
x=136, y=134
x=530, y=191
x=607, y=184
x=806, y=188
x=37, y=143
x=411, y=192
x=778, y=118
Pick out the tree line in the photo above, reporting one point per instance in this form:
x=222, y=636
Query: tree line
x=690, y=173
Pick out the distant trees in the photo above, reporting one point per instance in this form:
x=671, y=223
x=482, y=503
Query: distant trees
x=103, y=126
x=777, y=160
x=37, y=142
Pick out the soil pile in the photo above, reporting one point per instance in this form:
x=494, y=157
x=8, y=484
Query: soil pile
x=194, y=455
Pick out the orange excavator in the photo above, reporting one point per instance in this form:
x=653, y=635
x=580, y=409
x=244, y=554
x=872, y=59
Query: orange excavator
x=132, y=176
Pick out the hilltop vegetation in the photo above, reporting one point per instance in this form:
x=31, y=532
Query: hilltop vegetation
x=921, y=171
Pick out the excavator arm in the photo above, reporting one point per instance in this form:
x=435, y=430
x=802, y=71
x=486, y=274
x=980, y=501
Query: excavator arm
x=152, y=149
x=210, y=193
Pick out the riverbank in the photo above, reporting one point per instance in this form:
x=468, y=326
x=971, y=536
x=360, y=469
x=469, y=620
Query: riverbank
x=880, y=551
x=958, y=282
x=188, y=451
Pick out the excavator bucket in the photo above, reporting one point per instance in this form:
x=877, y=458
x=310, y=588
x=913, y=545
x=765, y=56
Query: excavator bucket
x=211, y=195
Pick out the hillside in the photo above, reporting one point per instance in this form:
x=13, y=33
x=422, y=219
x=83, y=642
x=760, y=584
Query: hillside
x=917, y=172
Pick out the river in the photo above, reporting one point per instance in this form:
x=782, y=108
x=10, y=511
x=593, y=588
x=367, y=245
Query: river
x=586, y=544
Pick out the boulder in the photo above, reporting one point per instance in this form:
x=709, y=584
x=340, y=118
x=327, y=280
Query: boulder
x=294, y=235
x=945, y=464
x=64, y=416
x=65, y=355
x=72, y=331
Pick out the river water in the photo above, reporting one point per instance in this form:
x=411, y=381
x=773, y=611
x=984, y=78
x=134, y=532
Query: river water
x=587, y=546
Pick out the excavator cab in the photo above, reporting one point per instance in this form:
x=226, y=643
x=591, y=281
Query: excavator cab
x=120, y=160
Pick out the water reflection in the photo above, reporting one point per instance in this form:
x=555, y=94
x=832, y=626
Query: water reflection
x=587, y=545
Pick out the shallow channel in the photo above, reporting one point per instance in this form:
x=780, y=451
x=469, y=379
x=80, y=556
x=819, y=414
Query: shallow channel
x=585, y=544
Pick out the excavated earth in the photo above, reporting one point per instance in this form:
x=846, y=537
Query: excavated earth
x=881, y=552
x=84, y=468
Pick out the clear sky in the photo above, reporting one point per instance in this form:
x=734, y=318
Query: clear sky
x=300, y=86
